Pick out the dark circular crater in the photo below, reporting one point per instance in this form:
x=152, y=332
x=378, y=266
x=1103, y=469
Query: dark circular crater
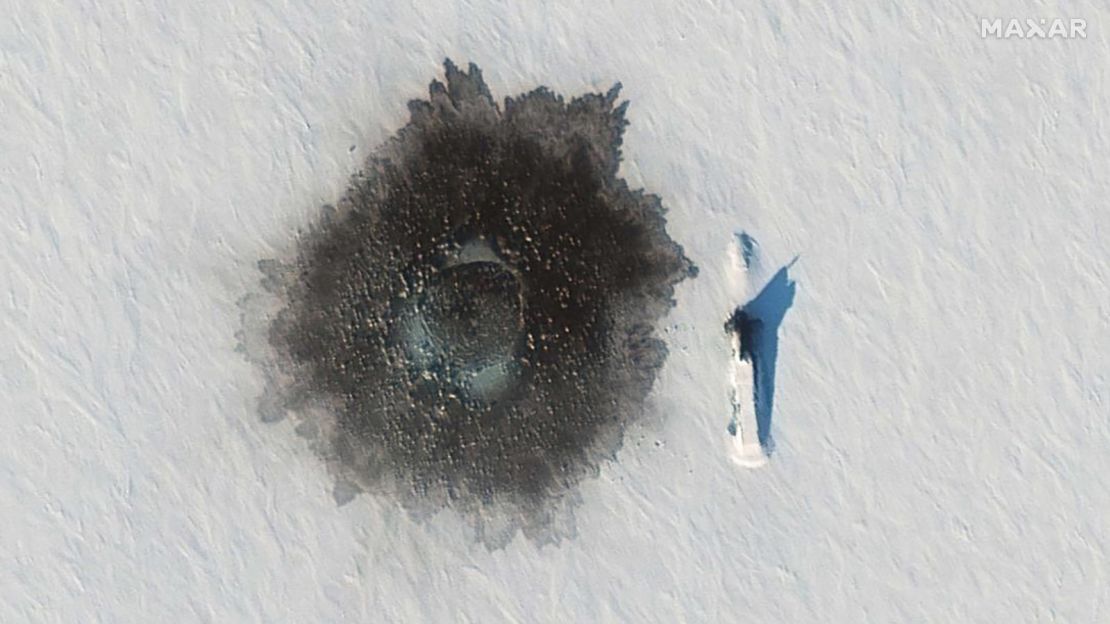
x=461, y=335
x=473, y=324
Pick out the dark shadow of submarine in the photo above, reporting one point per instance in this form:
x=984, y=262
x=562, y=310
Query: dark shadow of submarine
x=758, y=322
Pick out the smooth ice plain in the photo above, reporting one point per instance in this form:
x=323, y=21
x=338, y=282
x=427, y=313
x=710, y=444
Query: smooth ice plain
x=940, y=412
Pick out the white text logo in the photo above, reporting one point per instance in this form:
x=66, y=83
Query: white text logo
x=1014, y=28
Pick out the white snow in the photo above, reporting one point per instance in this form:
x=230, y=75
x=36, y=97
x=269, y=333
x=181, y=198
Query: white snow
x=941, y=421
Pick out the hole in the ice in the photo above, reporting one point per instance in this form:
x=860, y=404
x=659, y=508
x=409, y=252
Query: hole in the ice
x=474, y=323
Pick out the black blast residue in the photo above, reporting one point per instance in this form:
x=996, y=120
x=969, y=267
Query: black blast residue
x=474, y=323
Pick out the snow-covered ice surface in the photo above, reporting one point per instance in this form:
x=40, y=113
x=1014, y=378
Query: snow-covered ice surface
x=942, y=442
